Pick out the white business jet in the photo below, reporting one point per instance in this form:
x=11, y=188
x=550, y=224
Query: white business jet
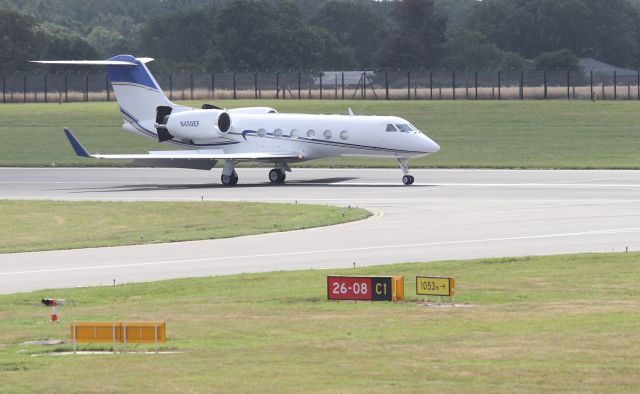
x=212, y=134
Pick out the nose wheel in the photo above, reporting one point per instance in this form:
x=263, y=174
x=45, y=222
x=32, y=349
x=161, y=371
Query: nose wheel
x=277, y=176
x=404, y=165
x=407, y=180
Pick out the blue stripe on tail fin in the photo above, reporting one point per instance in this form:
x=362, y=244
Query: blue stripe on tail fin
x=137, y=74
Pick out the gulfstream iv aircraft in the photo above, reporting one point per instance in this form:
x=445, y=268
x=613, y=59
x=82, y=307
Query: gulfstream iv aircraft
x=212, y=134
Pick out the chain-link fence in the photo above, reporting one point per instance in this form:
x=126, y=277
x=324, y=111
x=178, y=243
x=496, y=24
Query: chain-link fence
x=338, y=85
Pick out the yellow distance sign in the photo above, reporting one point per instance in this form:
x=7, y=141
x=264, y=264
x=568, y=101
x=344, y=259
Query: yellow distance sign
x=435, y=286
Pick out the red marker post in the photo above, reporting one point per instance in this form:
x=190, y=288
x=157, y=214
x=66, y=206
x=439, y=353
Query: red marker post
x=53, y=303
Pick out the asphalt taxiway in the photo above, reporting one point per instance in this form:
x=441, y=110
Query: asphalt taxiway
x=446, y=214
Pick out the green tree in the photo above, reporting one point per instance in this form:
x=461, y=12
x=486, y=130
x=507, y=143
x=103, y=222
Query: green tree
x=466, y=50
x=604, y=29
x=355, y=26
x=257, y=35
x=417, y=36
x=183, y=39
x=563, y=59
x=18, y=40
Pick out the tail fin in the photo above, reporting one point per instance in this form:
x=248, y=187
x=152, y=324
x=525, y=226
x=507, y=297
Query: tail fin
x=137, y=92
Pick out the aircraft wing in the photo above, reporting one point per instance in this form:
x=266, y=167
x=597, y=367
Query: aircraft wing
x=180, y=155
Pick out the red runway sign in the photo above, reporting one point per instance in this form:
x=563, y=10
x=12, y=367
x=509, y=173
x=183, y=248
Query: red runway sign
x=360, y=288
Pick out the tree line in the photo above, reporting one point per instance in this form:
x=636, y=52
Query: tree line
x=278, y=35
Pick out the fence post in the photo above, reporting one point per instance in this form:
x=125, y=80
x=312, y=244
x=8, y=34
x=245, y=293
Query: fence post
x=408, y=85
x=638, y=79
x=191, y=86
x=499, y=83
x=255, y=84
x=342, y=82
x=4, y=88
x=364, y=85
x=591, y=84
x=170, y=86
x=476, y=85
x=545, y=84
x=213, y=85
x=86, y=87
x=24, y=87
x=66, y=88
x=386, y=84
x=234, y=85
x=106, y=85
x=430, y=85
x=299, y=85
x=568, y=84
x=453, y=74
x=277, y=85
x=335, y=86
x=521, y=85
x=45, y=88
x=615, y=85
x=321, y=85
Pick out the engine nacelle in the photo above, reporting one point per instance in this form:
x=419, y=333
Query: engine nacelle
x=199, y=124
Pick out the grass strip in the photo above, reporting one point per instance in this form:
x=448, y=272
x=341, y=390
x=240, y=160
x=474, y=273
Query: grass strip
x=477, y=134
x=536, y=324
x=47, y=225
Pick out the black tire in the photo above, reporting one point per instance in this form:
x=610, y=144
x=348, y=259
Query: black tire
x=412, y=179
x=274, y=175
x=229, y=180
x=407, y=179
x=282, y=177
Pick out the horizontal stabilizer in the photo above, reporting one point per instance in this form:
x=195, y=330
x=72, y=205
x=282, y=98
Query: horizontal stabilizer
x=95, y=62
x=76, y=145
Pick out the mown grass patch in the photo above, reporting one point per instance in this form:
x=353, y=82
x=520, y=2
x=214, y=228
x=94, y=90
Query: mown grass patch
x=536, y=324
x=481, y=134
x=46, y=225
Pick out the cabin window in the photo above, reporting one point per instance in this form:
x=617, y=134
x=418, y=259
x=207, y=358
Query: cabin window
x=311, y=134
x=261, y=132
x=405, y=128
x=391, y=127
x=327, y=134
x=344, y=134
x=294, y=133
x=277, y=133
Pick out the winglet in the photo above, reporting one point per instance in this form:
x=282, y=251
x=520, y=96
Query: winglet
x=76, y=145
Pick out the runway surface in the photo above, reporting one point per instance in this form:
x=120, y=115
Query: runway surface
x=446, y=214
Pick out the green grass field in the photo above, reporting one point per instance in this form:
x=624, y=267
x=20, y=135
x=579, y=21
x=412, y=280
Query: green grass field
x=500, y=134
x=534, y=324
x=46, y=225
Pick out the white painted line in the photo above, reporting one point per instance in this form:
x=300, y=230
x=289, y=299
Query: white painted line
x=299, y=253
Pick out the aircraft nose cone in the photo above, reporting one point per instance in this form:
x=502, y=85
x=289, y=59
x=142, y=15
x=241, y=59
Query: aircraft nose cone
x=430, y=145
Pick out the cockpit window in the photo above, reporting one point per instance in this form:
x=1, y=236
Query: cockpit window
x=405, y=128
x=391, y=127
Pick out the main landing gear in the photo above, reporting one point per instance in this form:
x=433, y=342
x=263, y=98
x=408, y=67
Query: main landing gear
x=229, y=175
x=277, y=175
x=404, y=165
x=230, y=180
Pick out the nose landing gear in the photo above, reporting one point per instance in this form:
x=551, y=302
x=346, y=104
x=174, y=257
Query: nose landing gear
x=408, y=179
x=404, y=166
